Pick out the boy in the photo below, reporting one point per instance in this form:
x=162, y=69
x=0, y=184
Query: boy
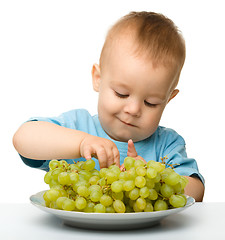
x=139, y=68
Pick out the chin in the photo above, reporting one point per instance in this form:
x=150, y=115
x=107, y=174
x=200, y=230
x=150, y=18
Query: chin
x=126, y=138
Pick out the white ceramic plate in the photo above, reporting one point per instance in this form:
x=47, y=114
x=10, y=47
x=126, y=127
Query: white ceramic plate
x=107, y=221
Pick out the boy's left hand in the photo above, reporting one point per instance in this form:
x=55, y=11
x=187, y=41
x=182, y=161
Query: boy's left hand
x=131, y=152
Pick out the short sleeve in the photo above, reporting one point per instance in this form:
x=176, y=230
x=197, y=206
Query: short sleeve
x=177, y=156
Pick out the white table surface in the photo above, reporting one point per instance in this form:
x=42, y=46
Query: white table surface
x=25, y=221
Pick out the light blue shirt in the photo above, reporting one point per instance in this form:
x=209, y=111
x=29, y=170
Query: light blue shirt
x=164, y=142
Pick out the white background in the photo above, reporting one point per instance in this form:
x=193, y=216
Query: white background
x=47, y=49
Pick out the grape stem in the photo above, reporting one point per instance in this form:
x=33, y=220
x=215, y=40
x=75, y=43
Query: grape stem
x=168, y=164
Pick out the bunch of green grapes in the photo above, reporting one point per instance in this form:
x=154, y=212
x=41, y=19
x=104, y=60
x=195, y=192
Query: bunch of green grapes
x=139, y=187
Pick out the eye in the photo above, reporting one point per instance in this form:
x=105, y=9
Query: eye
x=148, y=104
x=121, y=95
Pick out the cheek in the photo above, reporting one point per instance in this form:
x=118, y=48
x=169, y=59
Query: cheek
x=106, y=102
x=152, y=119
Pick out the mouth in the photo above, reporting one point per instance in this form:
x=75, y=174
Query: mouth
x=128, y=124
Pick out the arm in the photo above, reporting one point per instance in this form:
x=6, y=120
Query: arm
x=195, y=188
x=44, y=140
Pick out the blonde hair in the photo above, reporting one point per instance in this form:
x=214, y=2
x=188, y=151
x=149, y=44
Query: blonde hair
x=156, y=37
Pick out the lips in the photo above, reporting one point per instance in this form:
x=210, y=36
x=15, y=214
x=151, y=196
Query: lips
x=128, y=124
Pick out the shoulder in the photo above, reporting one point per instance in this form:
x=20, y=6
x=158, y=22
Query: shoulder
x=77, y=113
x=168, y=135
x=79, y=119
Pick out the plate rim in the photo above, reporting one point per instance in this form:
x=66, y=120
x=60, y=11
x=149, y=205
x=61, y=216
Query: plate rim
x=64, y=213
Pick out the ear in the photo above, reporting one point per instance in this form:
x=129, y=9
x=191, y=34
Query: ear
x=173, y=94
x=96, y=77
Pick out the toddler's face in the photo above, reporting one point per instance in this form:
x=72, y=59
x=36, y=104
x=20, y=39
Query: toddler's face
x=132, y=94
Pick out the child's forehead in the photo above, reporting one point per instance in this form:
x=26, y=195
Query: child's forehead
x=126, y=45
x=124, y=66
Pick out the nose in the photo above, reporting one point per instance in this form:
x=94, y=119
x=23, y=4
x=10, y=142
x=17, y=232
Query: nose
x=133, y=108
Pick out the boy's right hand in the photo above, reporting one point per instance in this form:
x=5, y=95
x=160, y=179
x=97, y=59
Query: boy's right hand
x=103, y=149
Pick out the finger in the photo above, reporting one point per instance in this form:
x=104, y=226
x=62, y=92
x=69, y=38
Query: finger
x=116, y=156
x=131, y=151
x=102, y=157
x=87, y=153
x=122, y=167
x=110, y=157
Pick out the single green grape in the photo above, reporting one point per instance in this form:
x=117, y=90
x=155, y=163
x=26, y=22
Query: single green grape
x=128, y=185
x=94, y=180
x=144, y=192
x=109, y=209
x=81, y=182
x=55, y=173
x=123, y=176
x=47, y=177
x=183, y=181
x=95, y=196
x=74, y=177
x=89, y=207
x=153, y=195
x=148, y=207
x=172, y=178
x=141, y=203
x=117, y=186
x=177, y=201
x=53, y=205
x=134, y=194
x=64, y=178
x=139, y=163
x=136, y=208
x=159, y=167
x=117, y=195
x=149, y=182
x=94, y=188
x=129, y=162
x=80, y=203
x=101, y=182
x=115, y=169
x=141, y=171
x=160, y=205
x=119, y=206
x=111, y=176
x=129, y=209
x=95, y=172
x=80, y=164
x=52, y=195
x=140, y=181
x=99, y=208
x=74, y=168
x=68, y=205
x=60, y=202
x=89, y=165
x=63, y=192
x=85, y=174
x=63, y=164
x=166, y=190
x=177, y=188
x=151, y=172
x=106, y=200
x=83, y=191
x=103, y=172
x=131, y=174
x=53, y=164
